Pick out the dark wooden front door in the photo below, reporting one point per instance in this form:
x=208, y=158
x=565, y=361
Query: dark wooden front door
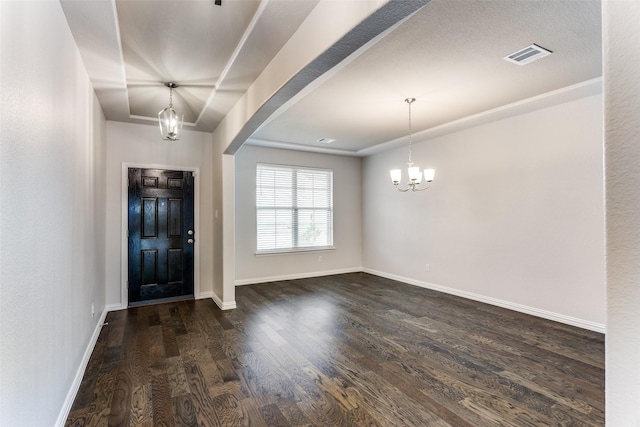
x=161, y=234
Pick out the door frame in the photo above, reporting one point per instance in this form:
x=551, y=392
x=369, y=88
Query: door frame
x=124, y=237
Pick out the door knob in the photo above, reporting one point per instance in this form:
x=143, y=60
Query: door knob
x=190, y=241
x=190, y=232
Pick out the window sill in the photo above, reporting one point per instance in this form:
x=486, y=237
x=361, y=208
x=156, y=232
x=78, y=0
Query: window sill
x=293, y=251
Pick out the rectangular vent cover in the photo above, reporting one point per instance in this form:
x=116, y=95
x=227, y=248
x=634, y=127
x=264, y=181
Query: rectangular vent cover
x=528, y=55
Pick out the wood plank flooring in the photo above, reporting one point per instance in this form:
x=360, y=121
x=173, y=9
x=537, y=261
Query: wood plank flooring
x=345, y=350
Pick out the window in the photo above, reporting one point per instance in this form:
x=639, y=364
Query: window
x=294, y=208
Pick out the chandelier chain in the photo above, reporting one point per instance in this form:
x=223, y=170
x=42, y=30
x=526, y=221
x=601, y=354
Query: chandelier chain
x=410, y=101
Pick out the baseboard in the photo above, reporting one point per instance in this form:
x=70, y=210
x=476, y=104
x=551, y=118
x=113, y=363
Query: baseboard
x=223, y=305
x=206, y=294
x=75, y=385
x=114, y=307
x=257, y=280
x=557, y=317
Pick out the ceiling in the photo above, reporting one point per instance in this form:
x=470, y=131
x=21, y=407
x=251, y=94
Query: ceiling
x=448, y=55
x=214, y=53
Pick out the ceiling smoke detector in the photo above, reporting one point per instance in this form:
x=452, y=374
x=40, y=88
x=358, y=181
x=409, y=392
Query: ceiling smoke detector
x=528, y=54
x=325, y=140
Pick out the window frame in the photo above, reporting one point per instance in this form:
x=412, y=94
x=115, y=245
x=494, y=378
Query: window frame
x=295, y=208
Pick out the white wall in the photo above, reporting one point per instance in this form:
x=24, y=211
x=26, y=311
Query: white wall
x=227, y=299
x=216, y=192
x=52, y=203
x=346, y=217
x=621, y=41
x=514, y=216
x=140, y=144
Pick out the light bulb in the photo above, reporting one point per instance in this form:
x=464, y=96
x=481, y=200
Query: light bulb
x=414, y=174
x=396, y=175
x=429, y=174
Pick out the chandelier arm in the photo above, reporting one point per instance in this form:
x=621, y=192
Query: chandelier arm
x=401, y=190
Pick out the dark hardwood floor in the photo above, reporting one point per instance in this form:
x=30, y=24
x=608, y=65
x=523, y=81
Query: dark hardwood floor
x=345, y=350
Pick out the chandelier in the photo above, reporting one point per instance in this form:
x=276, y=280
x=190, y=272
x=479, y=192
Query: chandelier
x=415, y=175
x=170, y=122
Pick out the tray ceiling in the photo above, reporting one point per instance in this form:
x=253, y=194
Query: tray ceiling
x=448, y=55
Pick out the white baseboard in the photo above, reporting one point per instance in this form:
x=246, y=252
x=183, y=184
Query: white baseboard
x=561, y=318
x=229, y=305
x=206, y=294
x=222, y=305
x=257, y=280
x=75, y=385
x=114, y=307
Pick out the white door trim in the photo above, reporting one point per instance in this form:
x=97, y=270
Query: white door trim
x=124, y=239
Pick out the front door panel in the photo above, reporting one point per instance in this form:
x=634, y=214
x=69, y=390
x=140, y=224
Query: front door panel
x=161, y=235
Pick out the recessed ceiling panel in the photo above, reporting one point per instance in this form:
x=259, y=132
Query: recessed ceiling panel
x=187, y=42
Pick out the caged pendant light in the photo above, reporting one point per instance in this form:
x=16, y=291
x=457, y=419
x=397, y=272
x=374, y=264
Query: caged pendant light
x=415, y=175
x=170, y=122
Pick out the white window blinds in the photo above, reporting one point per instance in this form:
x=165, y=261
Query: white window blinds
x=294, y=208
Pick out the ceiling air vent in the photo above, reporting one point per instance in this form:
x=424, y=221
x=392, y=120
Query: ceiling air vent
x=528, y=54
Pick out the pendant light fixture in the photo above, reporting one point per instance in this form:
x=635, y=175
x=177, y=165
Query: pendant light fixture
x=170, y=122
x=415, y=175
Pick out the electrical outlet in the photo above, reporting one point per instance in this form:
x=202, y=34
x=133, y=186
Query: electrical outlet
x=319, y=258
x=93, y=311
x=427, y=267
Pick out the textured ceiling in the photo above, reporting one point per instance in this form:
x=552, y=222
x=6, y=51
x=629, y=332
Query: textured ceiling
x=448, y=55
